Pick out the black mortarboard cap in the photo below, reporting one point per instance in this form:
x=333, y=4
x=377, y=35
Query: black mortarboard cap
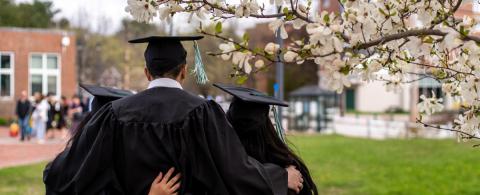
x=164, y=53
x=104, y=95
x=249, y=109
x=250, y=95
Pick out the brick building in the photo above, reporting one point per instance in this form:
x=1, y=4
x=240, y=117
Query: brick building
x=35, y=60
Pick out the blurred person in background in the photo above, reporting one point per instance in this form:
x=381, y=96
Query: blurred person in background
x=75, y=112
x=23, y=111
x=51, y=122
x=62, y=114
x=40, y=117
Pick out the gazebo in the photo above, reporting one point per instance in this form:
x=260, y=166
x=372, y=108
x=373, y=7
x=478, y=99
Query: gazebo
x=311, y=108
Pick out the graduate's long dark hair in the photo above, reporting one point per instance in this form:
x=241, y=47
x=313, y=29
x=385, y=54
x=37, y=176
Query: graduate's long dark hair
x=258, y=135
x=75, y=133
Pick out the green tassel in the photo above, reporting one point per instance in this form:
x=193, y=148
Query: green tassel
x=199, y=69
x=278, y=124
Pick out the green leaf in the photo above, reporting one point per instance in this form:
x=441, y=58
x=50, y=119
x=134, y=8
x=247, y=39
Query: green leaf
x=345, y=70
x=289, y=17
x=382, y=11
x=242, y=79
x=463, y=31
x=439, y=74
x=326, y=18
x=258, y=50
x=246, y=37
x=285, y=10
x=218, y=28
x=428, y=39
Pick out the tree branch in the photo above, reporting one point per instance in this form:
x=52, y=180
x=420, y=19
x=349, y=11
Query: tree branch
x=238, y=44
x=229, y=11
x=410, y=33
x=464, y=135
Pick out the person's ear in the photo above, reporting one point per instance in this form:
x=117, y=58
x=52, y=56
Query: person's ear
x=147, y=74
x=183, y=73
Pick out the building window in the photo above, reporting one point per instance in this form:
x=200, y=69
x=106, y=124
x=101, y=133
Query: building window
x=428, y=87
x=6, y=75
x=429, y=91
x=350, y=99
x=45, y=73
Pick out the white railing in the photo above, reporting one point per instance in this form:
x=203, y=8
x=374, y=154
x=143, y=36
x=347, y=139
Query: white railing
x=384, y=129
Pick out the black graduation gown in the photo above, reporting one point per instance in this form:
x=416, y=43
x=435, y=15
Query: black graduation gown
x=129, y=141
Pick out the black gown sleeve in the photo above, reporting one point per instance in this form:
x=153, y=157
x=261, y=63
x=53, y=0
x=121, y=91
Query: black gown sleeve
x=86, y=166
x=221, y=163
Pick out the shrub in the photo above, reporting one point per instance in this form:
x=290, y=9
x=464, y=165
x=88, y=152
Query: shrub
x=3, y=122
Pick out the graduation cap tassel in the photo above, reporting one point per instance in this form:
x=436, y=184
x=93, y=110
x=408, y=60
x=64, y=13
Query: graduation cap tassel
x=278, y=124
x=199, y=69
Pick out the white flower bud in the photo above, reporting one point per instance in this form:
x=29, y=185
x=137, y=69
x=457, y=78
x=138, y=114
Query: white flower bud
x=290, y=56
x=272, y=48
x=259, y=64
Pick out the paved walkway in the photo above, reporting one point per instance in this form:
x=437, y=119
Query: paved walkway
x=15, y=153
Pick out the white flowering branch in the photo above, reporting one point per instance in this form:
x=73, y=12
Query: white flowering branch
x=410, y=40
x=461, y=134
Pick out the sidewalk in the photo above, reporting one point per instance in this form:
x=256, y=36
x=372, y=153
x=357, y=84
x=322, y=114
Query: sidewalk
x=15, y=153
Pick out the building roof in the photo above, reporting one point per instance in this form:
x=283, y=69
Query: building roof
x=37, y=30
x=311, y=90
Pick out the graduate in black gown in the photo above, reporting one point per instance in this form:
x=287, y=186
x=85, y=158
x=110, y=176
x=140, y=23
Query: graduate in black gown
x=127, y=142
x=249, y=116
x=164, y=184
x=55, y=173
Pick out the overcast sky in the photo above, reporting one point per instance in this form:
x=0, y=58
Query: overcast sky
x=96, y=11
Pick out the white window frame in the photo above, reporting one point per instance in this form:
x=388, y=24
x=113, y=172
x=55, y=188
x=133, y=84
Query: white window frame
x=45, y=72
x=11, y=72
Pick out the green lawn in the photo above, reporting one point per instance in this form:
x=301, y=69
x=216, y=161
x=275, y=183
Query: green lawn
x=350, y=166
x=357, y=166
x=22, y=180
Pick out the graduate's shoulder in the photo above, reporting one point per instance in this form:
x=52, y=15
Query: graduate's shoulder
x=158, y=104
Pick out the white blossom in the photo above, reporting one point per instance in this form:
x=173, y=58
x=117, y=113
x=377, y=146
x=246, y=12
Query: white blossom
x=298, y=23
x=242, y=59
x=142, y=10
x=337, y=81
x=430, y=105
x=247, y=67
x=468, y=122
x=227, y=48
x=278, y=25
x=450, y=41
x=449, y=88
x=394, y=83
x=272, y=48
x=332, y=41
x=259, y=64
x=468, y=21
x=290, y=56
x=246, y=8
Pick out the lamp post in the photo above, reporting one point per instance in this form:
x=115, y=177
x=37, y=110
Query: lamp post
x=279, y=67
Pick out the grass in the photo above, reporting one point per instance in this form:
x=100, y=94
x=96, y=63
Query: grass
x=343, y=165
x=357, y=166
x=22, y=180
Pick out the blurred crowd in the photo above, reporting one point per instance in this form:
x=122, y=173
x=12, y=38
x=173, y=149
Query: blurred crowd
x=47, y=116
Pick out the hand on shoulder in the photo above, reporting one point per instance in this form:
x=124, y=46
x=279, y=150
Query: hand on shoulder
x=165, y=184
